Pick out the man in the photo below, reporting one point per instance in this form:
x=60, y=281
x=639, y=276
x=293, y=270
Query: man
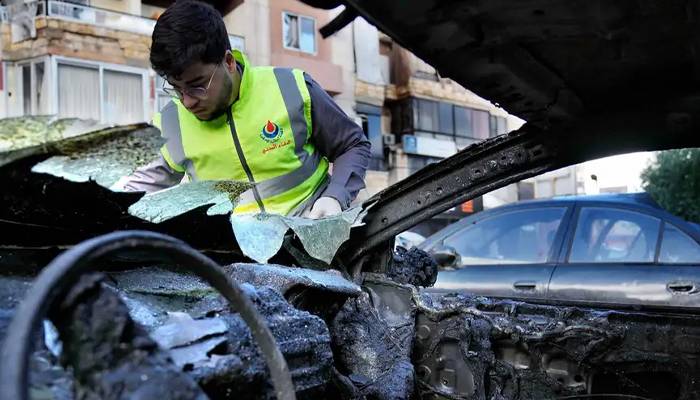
x=274, y=127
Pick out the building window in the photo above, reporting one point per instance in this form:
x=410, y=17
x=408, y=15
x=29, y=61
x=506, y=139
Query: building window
x=371, y=117
x=26, y=88
x=498, y=126
x=78, y=92
x=237, y=42
x=480, y=124
x=463, y=122
x=109, y=94
x=466, y=125
x=526, y=190
x=162, y=98
x=123, y=97
x=427, y=116
x=299, y=33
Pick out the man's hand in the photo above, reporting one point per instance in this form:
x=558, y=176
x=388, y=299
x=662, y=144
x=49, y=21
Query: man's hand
x=325, y=207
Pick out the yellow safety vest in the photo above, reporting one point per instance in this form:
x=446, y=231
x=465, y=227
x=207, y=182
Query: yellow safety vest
x=263, y=138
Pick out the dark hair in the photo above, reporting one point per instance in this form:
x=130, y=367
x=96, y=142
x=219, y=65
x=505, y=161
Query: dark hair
x=188, y=31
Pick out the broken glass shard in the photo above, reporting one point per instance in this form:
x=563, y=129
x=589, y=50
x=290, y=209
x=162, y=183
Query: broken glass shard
x=259, y=236
x=322, y=238
x=169, y=203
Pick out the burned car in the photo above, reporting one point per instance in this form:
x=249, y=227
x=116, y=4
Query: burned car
x=163, y=320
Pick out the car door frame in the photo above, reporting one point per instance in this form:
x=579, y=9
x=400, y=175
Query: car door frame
x=554, y=251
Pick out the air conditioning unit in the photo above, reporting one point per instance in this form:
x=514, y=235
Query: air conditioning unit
x=389, y=139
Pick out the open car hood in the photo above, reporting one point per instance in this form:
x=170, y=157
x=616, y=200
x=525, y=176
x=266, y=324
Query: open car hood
x=591, y=78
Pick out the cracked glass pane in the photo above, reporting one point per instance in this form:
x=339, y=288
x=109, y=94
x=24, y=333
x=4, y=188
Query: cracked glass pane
x=24, y=136
x=105, y=160
x=169, y=203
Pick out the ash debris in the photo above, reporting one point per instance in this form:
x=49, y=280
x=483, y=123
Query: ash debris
x=210, y=356
x=303, y=339
x=413, y=267
x=391, y=341
x=372, y=359
x=111, y=357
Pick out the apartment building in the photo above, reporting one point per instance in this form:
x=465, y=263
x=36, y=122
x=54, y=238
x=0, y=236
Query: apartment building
x=77, y=60
x=89, y=58
x=415, y=117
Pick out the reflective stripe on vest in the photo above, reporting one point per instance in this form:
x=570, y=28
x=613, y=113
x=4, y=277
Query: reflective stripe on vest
x=170, y=128
x=283, y=183
x=293, y=101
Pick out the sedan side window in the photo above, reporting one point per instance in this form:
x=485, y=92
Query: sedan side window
x=517, y=237
x=678, y=248
x=608, y=235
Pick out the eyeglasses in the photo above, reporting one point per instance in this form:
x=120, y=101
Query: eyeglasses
x=196, y=92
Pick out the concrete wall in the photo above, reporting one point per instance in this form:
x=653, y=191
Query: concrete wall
x=252, y=21
x=343, y=56
x=77, y=40
x=320, y=64
x=114, y=5
x=556, y=183
x=366, y=45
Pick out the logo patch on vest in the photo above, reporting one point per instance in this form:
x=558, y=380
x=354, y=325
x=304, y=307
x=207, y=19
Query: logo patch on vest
x=271, y=132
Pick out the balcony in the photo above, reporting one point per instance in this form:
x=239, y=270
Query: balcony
x=20, y=14
x=100, y=17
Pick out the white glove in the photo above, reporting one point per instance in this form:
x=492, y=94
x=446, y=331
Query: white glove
x=325, y=207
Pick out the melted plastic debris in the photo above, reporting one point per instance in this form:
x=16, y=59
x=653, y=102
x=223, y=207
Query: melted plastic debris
x=181, y=329
x=197, y=352
x=25, y=136
x=103, y=156
x=283, y=278
x=169, y=203
x=261, y=236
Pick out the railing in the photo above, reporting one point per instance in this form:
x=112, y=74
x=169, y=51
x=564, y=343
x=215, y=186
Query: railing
x=101, y=17
x=85, y=14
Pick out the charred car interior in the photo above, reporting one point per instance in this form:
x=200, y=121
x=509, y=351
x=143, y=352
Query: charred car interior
x=208, y=306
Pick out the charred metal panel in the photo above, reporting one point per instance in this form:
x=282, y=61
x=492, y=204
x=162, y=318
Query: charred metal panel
x=475, y=348
x=552, y=61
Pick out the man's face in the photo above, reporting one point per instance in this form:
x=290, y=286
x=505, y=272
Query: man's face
x=207, y=89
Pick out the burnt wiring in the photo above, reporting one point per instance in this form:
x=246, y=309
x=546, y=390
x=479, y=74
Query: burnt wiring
x=65, y=270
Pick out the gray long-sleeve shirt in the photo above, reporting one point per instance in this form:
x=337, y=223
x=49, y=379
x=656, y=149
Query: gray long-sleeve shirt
x=334, y=134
